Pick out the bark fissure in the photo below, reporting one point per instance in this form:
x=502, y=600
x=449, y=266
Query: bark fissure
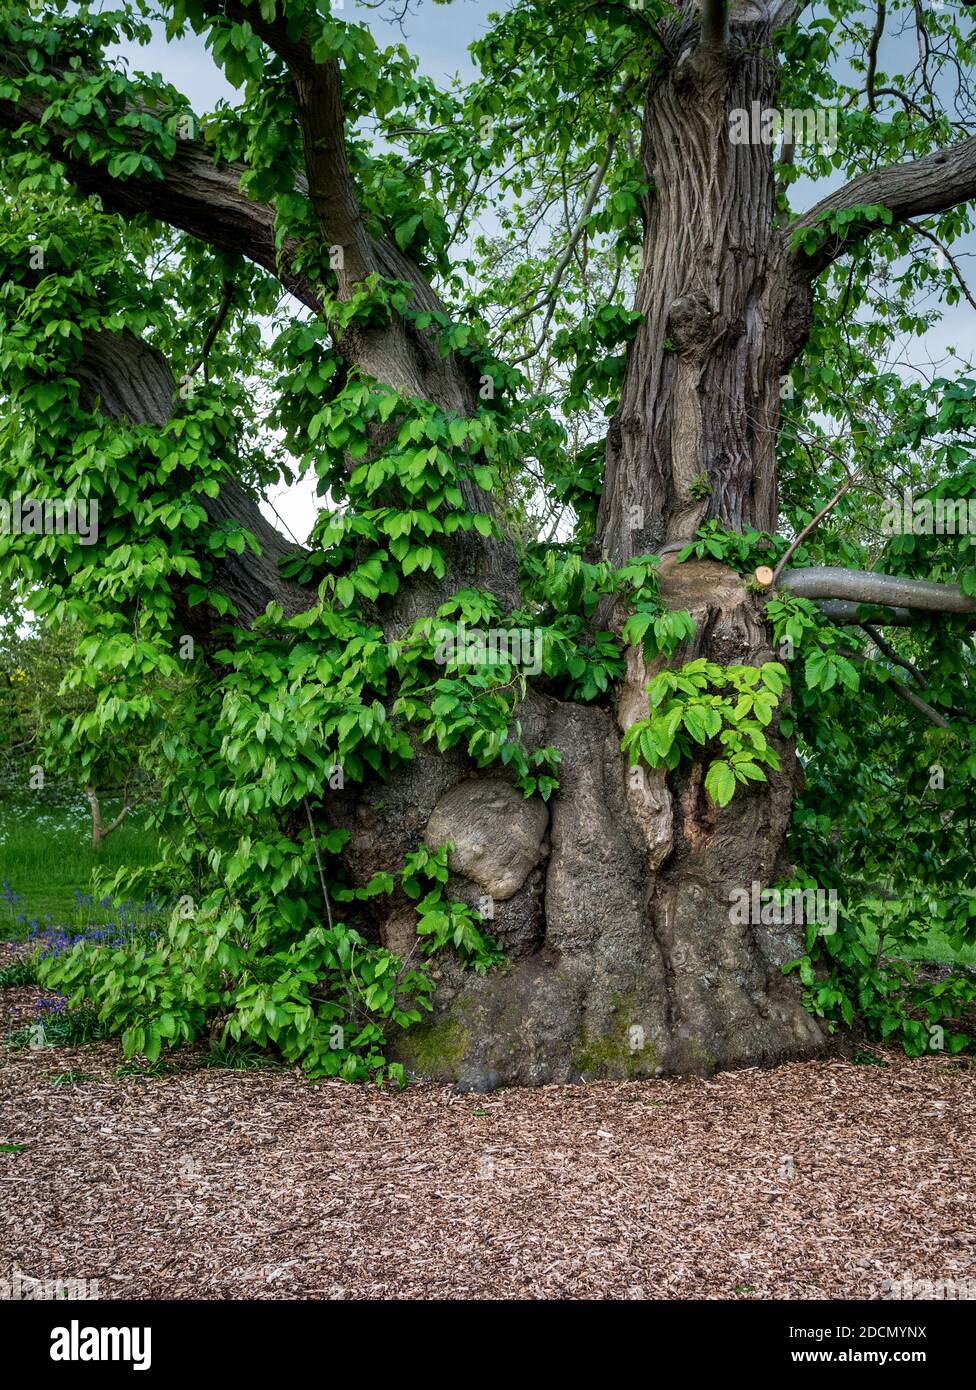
x=724, y=314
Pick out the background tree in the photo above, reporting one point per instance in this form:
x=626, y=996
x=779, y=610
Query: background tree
x=449, y=393
x=52, y=723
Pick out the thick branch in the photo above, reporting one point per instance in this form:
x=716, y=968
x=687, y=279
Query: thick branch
x=921, y=186
x=194, y=195
x=879, y=24
x=318, y=92
x=129, y=380
x=100, y=832
x=110, y=829
x=783, y=12
x=842, y=613
x=714, y=24
x=893, y=591
x=197, y=197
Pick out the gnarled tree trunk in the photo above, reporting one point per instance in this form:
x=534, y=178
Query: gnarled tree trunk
x=625, y=958
x=613, y=901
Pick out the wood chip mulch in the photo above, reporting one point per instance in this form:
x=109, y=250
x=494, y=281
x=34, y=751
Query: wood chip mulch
x=813, y=1180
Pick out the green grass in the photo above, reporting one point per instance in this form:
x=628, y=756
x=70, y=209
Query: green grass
x=70, y=1028
x=22, y=972
x=150, y=1071
x=47, y=858
x=933, y=947
x=937, y=947
x=234, y=1057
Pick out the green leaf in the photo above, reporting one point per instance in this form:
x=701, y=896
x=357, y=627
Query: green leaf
x=720, y=782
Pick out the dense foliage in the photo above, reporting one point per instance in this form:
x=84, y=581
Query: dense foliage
x=249, y=733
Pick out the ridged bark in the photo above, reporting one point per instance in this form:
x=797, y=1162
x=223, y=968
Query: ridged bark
x=724, y=313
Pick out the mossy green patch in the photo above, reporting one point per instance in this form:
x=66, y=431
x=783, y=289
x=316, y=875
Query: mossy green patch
x=702, y=1055
x=435, y=1049
x=611, y=1055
